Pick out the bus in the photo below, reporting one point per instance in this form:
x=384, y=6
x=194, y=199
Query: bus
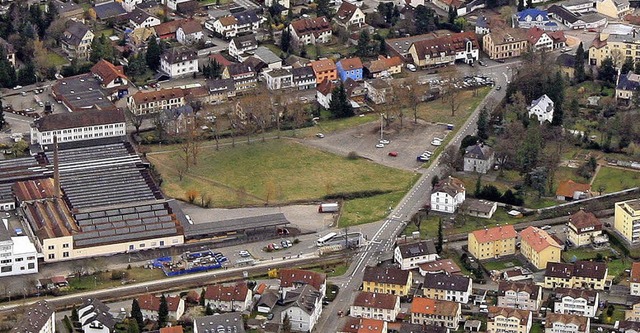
x=322, y=241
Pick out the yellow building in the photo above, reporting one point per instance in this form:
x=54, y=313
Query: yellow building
x=539, y=247
x=492, y=243
x=627, y=219
x=585, y=229
x=633, y=314
x=581, y=274
x=505, y=43
x=617, y=47
x=613, y=8
x=387, y=280
x=508, y=320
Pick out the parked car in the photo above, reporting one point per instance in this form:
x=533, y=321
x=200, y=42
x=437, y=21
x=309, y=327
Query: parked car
x=545, y=227
x=380, y=145
x=482, y=63
x=436, y=142
x=500, y=61
x=422, y=158
x=320, y=135
x=412, y=67
x=393, y=153
x=244, y=253
x=498, y=87
x=384, y=141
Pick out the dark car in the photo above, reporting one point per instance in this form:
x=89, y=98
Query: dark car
x=393, y=153
x=500, y=61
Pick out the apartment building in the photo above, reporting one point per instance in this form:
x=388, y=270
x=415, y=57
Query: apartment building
x=233, y=297
x=581, y=274
x=427, y=311
x=456, y=288
x=627, y=219
x=584, y=229
x=40, y=317
x=519, y=295
x=411, y=255
x=508, y=320
x=615, y=46
x=633, y=314
x=580, y=302
x=564, y=323
x=147, y=102
x=76, y=40
x=539, y=247
x=78, y=126
x=324, y=69
x=445, y=50
x=312, y=31
x=376, y=306
x=504, y=43
x=150, y=306
x=179, y=62
x=18, y=255
x=493, y=242
x=447, y=195
x=387, y=280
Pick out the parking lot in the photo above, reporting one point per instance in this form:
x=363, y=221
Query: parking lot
x=407, y=143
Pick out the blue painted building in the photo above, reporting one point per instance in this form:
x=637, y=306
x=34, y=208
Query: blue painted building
x=532, y=17
x=350, y=68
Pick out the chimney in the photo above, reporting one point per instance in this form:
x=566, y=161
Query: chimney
x=56, y=168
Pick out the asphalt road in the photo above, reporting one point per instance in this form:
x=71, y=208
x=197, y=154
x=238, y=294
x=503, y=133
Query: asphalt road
x=384, y=239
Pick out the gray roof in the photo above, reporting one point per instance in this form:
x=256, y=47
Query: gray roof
x=267, y=56
x=479, y=152
x=303, y=73
x=74, y=33
x=179, y=54
x=402, y=45
x=418, y=249
x=246, y=17
x=230, y=322
x=479, y=205
x=138, y=16
x=268, y=299
x=417, y=328
x=446, y=282
x=4, y=233
x=35, y=317
x=529, y=287
x=82, y=92
x=245, y=41
x=65, y=7
x=220, y=85
x=95, y=310
x=629, y=81
x=108, y=10
x=566, y=60
x=562, y=13
x=303, y=297
x=244, y=223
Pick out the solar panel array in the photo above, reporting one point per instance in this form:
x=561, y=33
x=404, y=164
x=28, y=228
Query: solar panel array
x=119, y=225
x=103, y=176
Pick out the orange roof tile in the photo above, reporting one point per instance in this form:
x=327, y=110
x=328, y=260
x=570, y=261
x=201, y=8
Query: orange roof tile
x=323, y=65
x=538, y=239
x=495, y=233
x=568, y=187
x=172, y=329
x=430, y=306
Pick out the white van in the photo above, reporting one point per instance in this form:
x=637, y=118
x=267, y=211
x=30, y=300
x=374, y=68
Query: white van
x=411, y=67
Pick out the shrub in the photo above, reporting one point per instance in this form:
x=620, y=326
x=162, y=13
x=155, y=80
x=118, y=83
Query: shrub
x=117, y=275
x=353, y=155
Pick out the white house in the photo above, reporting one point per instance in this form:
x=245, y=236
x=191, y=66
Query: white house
x=304, y=78
x=478, y=158
x=278, y=78
x=581, y=302
x=138, y=18
x=235, y=297
x=563, y=323
x=411, y=255
x=292, y=279
x=447, y=195
x=95, y=317
x=323, y=93
x=226, y=26
x=349, y=15
x=19, y=255
x=239, y=45
x=310, y=31
x=130, y=5
x=519, y=295
x=284, y=3
x=150, y=304
x=542, y=108
x=539, y=39
x=303, y=306
x=376, y=306
x=78, y=126
x=189, y=32
x=533, y=17
x=173, y=4
x=455, y=288
x=179, y=62
x=40, y=317
x=145, y=102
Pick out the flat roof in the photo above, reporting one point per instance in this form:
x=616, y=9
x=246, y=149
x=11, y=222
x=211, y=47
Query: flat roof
x=82, y=92
x=23, y=245
x=243, y=223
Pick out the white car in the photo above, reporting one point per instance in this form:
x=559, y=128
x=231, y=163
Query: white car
x=380, y=145
x=17, y=87
x=436, y=142
x=427, y=153
x=320, y=135
x=244, y=253
x=384, y=142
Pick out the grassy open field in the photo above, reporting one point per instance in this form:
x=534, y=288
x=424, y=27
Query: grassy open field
x=57, y=60
x=104, y=280
x=276, y=171
x=614, y=179
x=616, y=267
x=499, y=265
x=440, y=112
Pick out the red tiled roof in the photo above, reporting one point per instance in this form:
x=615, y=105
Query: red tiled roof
x=495, y=233
x=190, y=26
x=151, y=96
x=220, y=59
x=228, y=20
x=290, y=277
x=351, y=63
x=568, y=187
x=167, y=28
x=635, y=272
x=322, y=65
x=538, y=239
x=430, y=306
x=582, y=219
x=449, y=44
x=236, y=292
x=346, y=10
x=107, y=71
x=315, y=26
x=534, y=34
x=522, y=315
x=376, y=300
x=172, y=329
x=152, y=303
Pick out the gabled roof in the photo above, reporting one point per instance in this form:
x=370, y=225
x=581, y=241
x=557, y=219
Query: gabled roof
x=220, y=85
x=190, y=26
x=428, y=306
x=314, y=26
x=167, y=28
x=533, y=13
x=222, y=61
x=376, y=300
x=246, y=41
x=507, y=35
x=582, y=219
x=152, y=303
x=529, y=287
x=228, y=293
x=138, y=16
x=568, y=187
x=305, y=298
x=266, y=55
x=59, y=121
x=566, y=60
x=495, y=233
x=443, y=265
x=350, y=63
x=557, y=36
x=522, y=315
x=35, y=317
x=74, y=33
x=418, y=249
x=383, y=63
x=478, y=151
x=153, y=96
x=107, y=72
x=346, y=11
x=232, y=321
x=172, y=329
x=538, y=239
x=586, y=294
x=449, y=44
x=246, y=17
x=363, y=325
x=385, y=275
x=325, y=87
x=534, y=34
x=447, y=282
x=543, y=102
x=239, y=69
x=108, y=10
x=451, y=186
x=583, y=269
x=629, y=81
x=322, y=65
x=635, y=272
x=93, y=309
x=292, y=277
x=563, y=13
x=179, y=54
x=227, y=21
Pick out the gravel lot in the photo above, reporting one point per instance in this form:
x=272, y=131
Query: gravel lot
x=409, y=142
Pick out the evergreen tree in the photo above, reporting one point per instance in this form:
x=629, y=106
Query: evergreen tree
x=627, y=66
x=607, y=71
x=154, y=51
x=74, y=314
x=434, y=181
x=425, y=20
x=52, y=13
x=383, y=47
x=362, y=49
x=453, y=14
x=285, y=41
x=163, y=312
x=483, y=124
x=137, y=64
x=216, y=70
x=340, y=106
x=132, y=327
x=478, y=191
x=579, y=74
x=636, y=69
x=202, y=294
x=558, y=100
x=440, y=237
x=27, y=74
x=136, y=314
x=521, y=5
x=323, y=9
x=208, y=310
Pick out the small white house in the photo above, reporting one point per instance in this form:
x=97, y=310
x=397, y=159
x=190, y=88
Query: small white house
x=236, y=297
x=376, y=306
x=303, y=306
x=411, y=255
x=189, y=32
x=542, y=108
x=447, y=195
x=95, y=317
x=581, y=302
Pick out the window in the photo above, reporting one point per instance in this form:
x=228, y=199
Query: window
x=52, y=256
x=6, y=269
x=65, y=245
x=19, y=259
x=65, y=254
x=51, y=247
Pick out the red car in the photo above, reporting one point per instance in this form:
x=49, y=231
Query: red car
x=592, y=30
x=393, y=153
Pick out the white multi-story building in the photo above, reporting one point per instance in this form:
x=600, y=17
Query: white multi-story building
x=95, y=317
x=130, y=5
x=303, y=307
x=189, y=32
x=173, y=4
x=542, y=108
x=376, y=306
x=78, y=126
x=508, y=320
x=310, y=31
x=519, y=295
x=563, y=323
x=145, y=102
x=455, y=288
x=279, y=78
x=581, y=302
x=39, y=318
x=236, y=297
x=410, y=256
x=17, y=254
x=179, y=62
x=447, y=195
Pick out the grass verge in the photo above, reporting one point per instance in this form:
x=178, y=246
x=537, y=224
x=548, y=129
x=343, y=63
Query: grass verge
x=103, y=280
x=614, y=179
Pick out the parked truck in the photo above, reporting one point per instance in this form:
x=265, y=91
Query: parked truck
x=328, y=207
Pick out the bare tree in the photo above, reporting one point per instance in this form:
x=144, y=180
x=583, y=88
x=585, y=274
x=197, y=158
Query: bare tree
x=160, y=123
x=135, y=120
x=451, y=94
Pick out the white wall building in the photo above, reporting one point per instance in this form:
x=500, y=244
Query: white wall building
x=17, y=254
x=173, y=4
x=179, y=62
x=95, y=317
x=39, y=318
x=305, y=308
x=376, y=306
x=562, y=323
x=130, y=5
x=447, y=195
x=542, y=108
x=78, y=126
x=410, y=256
x=581, y=302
